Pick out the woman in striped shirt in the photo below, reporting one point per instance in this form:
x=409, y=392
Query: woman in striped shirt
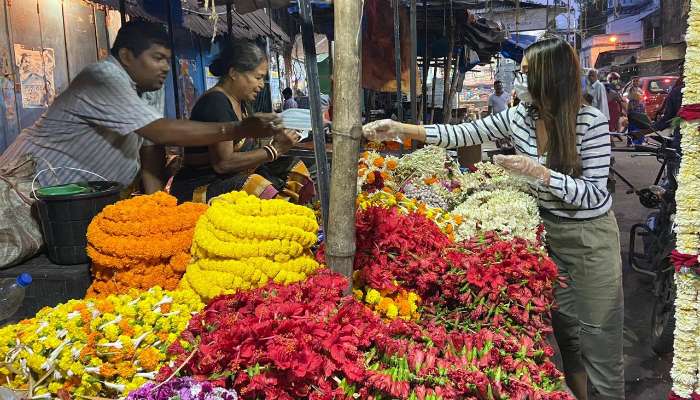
x=565, y=148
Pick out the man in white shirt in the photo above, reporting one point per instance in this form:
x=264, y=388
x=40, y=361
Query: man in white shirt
x=596, y=90
x=498, y=101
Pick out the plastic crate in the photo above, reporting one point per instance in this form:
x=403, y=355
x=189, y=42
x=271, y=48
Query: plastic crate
x=52, y=284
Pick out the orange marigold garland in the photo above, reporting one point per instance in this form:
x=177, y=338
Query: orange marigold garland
x=140, y=243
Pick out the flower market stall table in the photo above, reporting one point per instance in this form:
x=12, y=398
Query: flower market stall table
x=450, y=298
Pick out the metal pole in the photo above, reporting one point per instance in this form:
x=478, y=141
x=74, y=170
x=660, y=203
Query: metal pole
x=122, y=11
x=309, y=44
x=517, y=21
x=397, y=59
x=414, y=64
x=426, y=62
x=229, y=19
x=173, y=60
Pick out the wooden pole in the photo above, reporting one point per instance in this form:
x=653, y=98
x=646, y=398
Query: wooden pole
x=122, y=11
x=229, y=19
x=309, y=43
x=446, y=112
x=347, y=131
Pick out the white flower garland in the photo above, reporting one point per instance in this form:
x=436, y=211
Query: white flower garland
x=688, y=193
x=510, y=212
x=686, y=358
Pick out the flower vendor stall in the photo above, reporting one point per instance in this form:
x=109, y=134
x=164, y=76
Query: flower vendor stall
x=446, y=302
x=685, y=372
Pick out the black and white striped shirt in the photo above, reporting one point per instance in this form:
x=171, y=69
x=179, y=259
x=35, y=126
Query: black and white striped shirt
x=91, y=126
x=578, y=198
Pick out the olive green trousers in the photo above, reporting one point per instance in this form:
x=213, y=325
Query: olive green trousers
x=588, y=323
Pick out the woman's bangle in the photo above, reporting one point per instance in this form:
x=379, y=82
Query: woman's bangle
x=271, y=152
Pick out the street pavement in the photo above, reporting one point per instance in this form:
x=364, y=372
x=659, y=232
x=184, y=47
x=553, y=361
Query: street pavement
x=646, y=374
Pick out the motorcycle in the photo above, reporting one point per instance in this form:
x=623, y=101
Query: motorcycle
x=656, y=234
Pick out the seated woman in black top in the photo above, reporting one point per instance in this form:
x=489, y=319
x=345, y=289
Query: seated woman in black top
x=245, y=165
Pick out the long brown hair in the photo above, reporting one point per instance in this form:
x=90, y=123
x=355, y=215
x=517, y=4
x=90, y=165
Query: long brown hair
x=554, y=81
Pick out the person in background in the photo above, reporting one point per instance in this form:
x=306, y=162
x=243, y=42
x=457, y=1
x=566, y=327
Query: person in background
x=596, y=89
x=245, y=165
x=634, y=105
x=616, y=104
x=671, y=107
x=563, y=148
x=498, y=101
x=289, y=101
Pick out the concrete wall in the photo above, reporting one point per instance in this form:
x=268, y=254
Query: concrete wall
x=674, y=20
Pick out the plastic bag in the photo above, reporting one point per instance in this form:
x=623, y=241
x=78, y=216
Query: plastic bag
x=20, y=233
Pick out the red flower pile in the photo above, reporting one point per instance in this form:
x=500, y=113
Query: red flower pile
x=307, y=341
x=485, y=307
x=486, y=282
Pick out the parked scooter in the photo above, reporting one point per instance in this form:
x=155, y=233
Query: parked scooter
x=657, y=234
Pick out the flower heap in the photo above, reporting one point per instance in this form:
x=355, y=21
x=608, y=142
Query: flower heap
x=505, y=284
x=182, y=389
x=388, y=198
x=307, y=341
x=509, y=212
x=140, y=243
x=376, y=172
x=400, y=304
x=488, y=176
x=242, y=243
x=102, y=347
x=686, y=356
x=429, y=164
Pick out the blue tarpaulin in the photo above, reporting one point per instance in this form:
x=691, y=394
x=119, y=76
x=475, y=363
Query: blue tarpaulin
x=515, y=46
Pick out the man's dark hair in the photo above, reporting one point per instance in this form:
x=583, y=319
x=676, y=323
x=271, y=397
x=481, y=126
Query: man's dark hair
x=287, y=93
x=138, y=36
x=497, y=82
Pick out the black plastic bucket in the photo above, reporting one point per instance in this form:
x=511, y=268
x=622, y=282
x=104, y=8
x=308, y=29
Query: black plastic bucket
x=65, y=218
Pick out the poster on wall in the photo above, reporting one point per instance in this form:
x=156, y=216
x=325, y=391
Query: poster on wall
x=36, y=67
x=188, y=91
x=211, y=80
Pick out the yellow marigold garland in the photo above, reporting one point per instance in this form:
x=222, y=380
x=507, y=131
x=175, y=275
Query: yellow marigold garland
x=242, y=243
x=140, y=243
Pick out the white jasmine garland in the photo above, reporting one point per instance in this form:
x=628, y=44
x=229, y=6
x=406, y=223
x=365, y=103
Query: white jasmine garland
x=509, y=212
x=685, y=357
x=490, y=176
x=430, y=161
x=686, y=360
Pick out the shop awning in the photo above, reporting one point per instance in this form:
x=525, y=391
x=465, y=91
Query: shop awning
x=514, y=47
x=250, y=25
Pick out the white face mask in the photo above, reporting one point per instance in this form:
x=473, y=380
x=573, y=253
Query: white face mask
x=298, y=119
x=521, y=90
